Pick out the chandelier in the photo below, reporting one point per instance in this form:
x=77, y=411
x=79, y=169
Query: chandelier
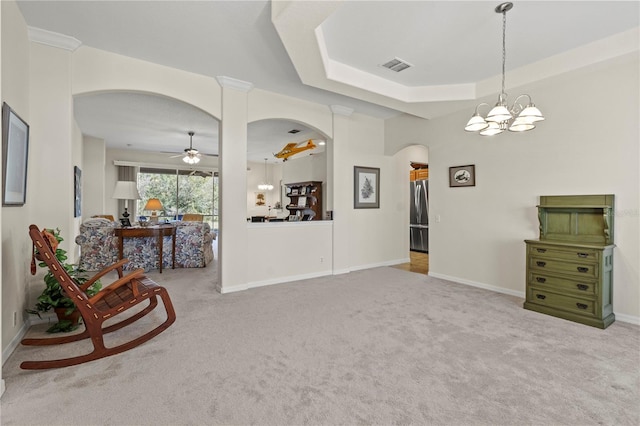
x=191, y=155
x=516, y=118
x=265, y=186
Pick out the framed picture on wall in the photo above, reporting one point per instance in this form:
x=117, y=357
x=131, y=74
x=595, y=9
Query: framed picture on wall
x=77, y=191
x=366, y=190
x=462, y=176
x=15, y=152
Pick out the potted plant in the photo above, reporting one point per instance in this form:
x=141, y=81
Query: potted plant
x=52, y=297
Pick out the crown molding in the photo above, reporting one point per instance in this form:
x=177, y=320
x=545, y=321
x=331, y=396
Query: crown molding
x=233, y=83
x=341, y=110
x=52, y=39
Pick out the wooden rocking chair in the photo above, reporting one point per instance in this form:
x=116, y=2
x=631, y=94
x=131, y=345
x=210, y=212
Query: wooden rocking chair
x=114, y=299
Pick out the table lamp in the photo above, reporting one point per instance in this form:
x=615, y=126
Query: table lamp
x=126, y=190
x=153, y=204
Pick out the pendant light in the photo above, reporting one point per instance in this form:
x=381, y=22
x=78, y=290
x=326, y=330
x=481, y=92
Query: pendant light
x=265, y=186
x=516, y=118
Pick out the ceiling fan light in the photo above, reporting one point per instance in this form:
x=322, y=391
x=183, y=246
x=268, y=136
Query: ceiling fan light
x=191, y=155
x=190, y=160
x=493, y=129
x=531, y=113
x=476, y=123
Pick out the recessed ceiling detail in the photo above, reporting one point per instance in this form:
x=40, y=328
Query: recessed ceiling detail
x=338, y=46
x=397, y=65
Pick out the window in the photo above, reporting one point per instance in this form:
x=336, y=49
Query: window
x=180, y=191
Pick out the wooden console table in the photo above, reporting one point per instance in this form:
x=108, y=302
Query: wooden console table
x=151, y=231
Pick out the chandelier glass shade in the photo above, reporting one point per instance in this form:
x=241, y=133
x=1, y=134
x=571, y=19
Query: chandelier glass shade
x=265, y=186
x=517, y=117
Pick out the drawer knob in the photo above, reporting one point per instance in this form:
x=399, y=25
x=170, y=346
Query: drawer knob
x=541, y=296
x=541, y=279
x=581, y=306
x=541, y=250
x=583, y=255
x=541, y=264
x=582, y=287
x=582, y=269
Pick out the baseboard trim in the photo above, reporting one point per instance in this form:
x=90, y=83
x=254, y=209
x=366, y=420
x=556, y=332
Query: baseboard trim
x=627, y=318
x=478, y=284
x=282, y=280
x=379, y=264
x=13, y=344
x=619, y=317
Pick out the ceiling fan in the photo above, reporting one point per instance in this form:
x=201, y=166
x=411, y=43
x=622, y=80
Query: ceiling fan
x=191, y=155
x=203, y=173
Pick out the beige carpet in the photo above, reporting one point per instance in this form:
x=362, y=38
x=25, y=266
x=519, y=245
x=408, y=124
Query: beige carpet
x=381, y=346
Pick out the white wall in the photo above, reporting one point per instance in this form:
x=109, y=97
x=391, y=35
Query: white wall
x=375, y=235
x=287, y=251
x=14, y=89
x=93, y=177
x=587, y=145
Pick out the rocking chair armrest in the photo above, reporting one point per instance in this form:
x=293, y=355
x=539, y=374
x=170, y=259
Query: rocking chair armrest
x=119, y=283
x=118, y=265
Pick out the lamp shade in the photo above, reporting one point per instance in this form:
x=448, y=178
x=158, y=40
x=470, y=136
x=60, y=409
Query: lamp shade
x=499, y=113
x=153, y=204
x=521, y=125
x=476, y=123
x=126, y=190
x=493, y=129
x=531, y=113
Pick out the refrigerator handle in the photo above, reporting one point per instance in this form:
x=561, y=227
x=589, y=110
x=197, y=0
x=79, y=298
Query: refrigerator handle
x=416, y=200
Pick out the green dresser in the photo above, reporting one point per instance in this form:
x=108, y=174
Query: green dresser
x=570, y=268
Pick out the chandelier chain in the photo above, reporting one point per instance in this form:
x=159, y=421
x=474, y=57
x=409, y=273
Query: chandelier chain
x=504, y=46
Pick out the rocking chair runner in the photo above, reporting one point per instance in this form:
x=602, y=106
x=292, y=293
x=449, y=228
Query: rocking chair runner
x=114, y=299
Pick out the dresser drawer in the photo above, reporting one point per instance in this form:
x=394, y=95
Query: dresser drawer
x=583, y=269
x=560, y=301
x=586, y=287
x=569, y=253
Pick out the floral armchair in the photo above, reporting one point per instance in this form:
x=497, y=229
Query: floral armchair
x=193, y=245
x=99, y=246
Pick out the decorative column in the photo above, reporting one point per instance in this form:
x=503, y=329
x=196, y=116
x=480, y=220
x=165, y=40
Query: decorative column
x=342, y=192
x=232, y=244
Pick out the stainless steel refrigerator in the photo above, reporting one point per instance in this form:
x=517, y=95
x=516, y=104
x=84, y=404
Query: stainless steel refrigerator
x=419, y=219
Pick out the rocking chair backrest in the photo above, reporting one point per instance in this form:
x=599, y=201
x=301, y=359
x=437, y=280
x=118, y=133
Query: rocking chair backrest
x=68, y=285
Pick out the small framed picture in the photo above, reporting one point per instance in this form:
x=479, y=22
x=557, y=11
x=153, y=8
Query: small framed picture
x=77, y=191
x=15, y=152
x=462, y=176
x=366, y=191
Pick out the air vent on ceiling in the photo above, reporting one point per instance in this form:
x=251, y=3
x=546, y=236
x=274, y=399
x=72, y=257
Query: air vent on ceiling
x=294, y=131
x=397, y=65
